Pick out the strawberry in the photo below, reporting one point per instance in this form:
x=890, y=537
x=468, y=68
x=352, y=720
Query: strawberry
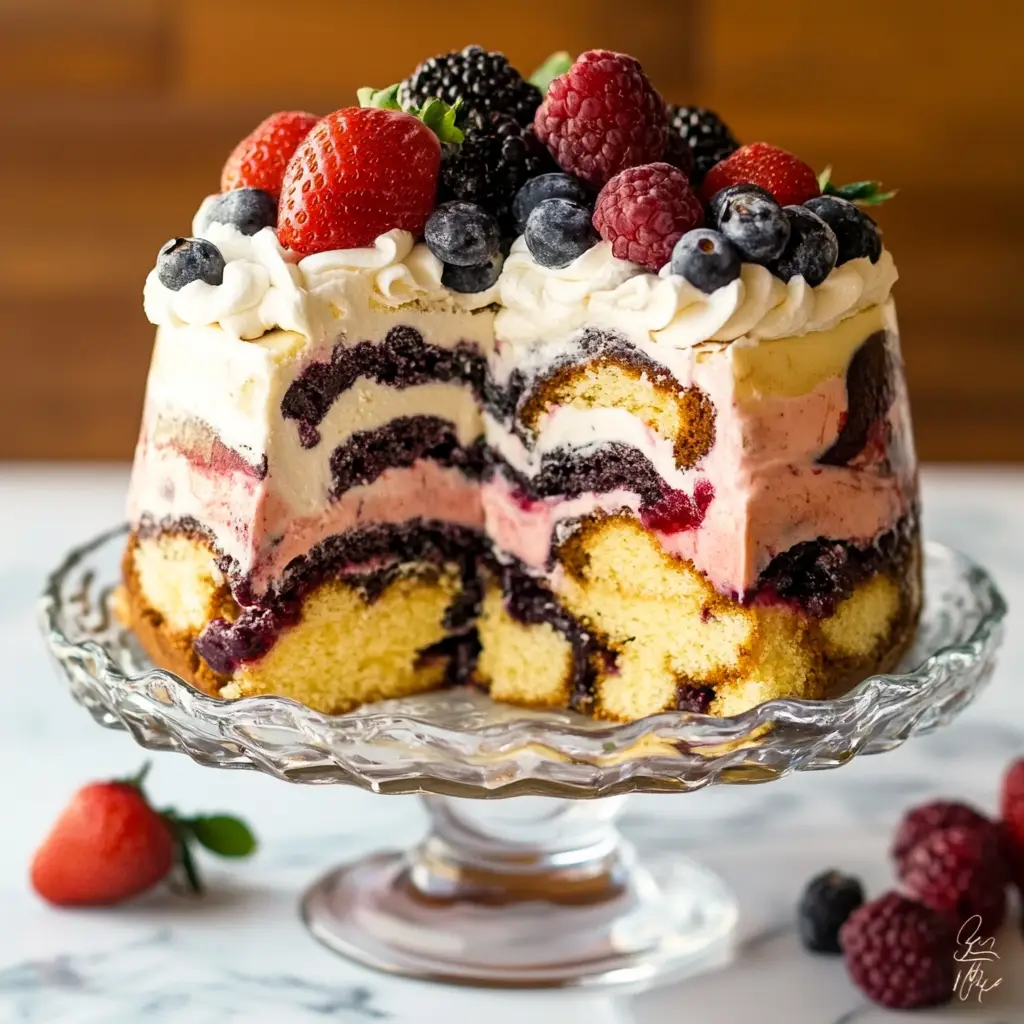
x=109, y=845
x=361, y=172
x=259, y=160
x=787, y=177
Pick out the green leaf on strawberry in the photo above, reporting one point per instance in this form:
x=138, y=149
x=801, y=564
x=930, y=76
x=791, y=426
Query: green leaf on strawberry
x=863, y=193
x=222, y=834
x=437, y=115
x=557, y=64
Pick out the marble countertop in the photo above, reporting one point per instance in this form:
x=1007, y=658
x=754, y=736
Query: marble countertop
x=242, y=954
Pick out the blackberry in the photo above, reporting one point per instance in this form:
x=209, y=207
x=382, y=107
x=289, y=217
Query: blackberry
x=495, y=159
x=708, y=137
x=484, y=81
x=824, y=907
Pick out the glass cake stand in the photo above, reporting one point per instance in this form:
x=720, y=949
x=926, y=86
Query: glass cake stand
x=540, y=890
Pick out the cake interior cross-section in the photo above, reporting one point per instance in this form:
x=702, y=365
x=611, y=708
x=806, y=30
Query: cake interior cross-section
x=468, y=385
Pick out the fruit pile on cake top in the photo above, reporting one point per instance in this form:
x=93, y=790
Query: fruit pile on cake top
x=467, y=154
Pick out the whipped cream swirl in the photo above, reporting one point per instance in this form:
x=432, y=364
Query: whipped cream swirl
x=266, y=286
x=596, y=289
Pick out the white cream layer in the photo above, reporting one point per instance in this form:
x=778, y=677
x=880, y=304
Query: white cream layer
x=266, y=286
x=598, y=290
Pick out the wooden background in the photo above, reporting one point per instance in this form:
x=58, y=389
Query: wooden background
x=116, y=115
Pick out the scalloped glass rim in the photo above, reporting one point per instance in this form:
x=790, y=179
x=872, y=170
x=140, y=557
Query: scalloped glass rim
x=459, y=742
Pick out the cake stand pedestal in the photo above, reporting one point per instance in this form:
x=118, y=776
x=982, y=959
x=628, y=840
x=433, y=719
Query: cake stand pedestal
x=539, y=890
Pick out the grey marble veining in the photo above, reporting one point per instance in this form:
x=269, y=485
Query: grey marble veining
x=242, y=954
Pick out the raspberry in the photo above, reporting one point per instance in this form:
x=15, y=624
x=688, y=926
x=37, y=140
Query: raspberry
x=601, y=117
x=644, y=211
x=1012, y=809
x=900, y=953
x=786, y=176
x=259, y=160
x=361, y=172
x=922, y=821
x=959, y=872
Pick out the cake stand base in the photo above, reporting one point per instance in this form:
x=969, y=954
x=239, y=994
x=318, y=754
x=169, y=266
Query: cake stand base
x=532, y=892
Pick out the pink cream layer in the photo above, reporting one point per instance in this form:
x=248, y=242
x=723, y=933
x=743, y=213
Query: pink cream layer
x=252, y=525
x=769, y=491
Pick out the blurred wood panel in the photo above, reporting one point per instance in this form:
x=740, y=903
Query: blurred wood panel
x=117, y=114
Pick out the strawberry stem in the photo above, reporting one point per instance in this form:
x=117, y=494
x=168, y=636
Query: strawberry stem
x=862, y=193
x=139, y=777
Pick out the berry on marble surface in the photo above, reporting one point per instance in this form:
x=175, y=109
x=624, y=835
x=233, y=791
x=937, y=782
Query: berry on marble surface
x=473, y=279
x=602, y=116
x=752, y=220
x=812, y=249
x=184, y=260
x=706, y=259
x=259, y=160
x=559, y=231
x=553, y=185
x=856, y=232
x=787, y=177
x=462, y=234
x=920, y=822
x=825, y=905
x=959, y=872
x=900, y=952
x=248, y=209
x=644, y=211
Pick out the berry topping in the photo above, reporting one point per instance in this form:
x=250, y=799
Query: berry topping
x=824, y=907
x=470, y=280
x=752, y=220
x=787, y=177
x=856, y=233
x=922, y=821
x=677, y=511
x=601, y=117
x=547, y=186
x=643, y=212
x=248, y=209
x=184, y=260
x=484, y=82
x=496, y=158
x=704, y=134
x=900, y=953
x=109, y=845
x=259, y=160
x=361, y=172
x=812, y=249
x=462, y=234
x=706, y=259
x=558, y=231
x=959, y=872
x=1012, y=806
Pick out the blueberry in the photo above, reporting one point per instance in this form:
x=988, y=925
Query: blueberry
x=558, y=231
x=548, y=186
x=825, y=905
x=855, y=231
x=462, y=234
x=184, y=260
x=724, y=195
x=248, y=209
x=706, y=259
x=753, y=221
x=470, y=280
x=812, y=249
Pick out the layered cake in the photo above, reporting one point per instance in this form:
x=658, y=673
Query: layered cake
x=545, y=387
